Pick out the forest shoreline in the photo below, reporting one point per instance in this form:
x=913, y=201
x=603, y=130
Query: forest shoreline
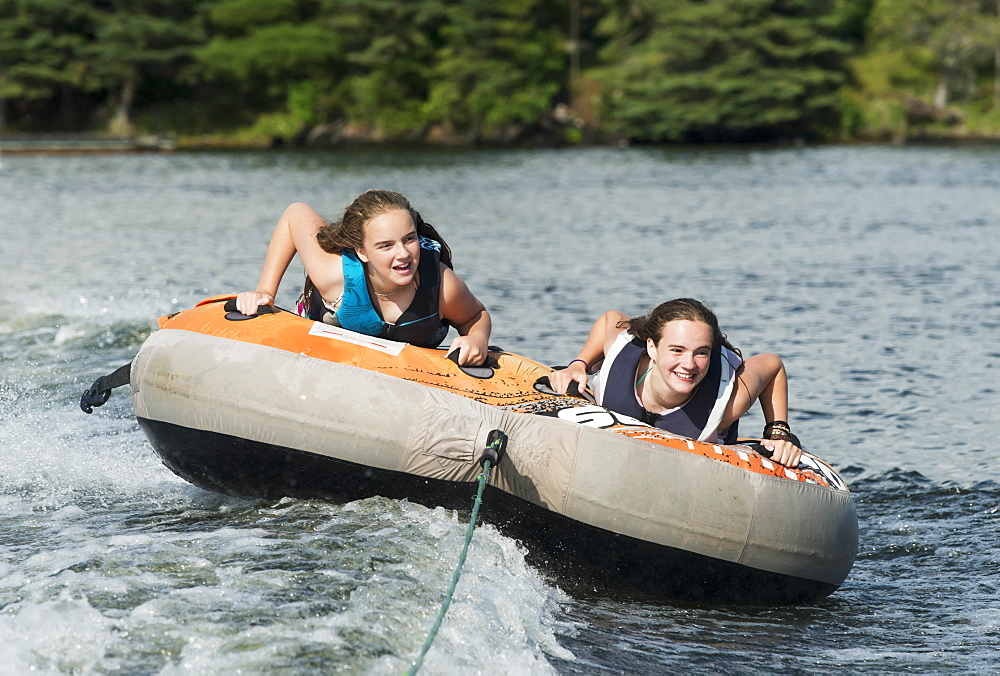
x=96, y=142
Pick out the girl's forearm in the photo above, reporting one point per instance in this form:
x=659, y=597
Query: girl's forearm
x=280, y=252
x=774, y=395
x=593, y=348
x=479, y=327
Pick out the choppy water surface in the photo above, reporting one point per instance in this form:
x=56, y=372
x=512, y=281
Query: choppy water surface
x=873, y=271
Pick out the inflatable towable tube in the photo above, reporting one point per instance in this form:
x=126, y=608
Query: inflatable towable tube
x=277, y=405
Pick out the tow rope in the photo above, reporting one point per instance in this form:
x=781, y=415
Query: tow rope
x=496, y=443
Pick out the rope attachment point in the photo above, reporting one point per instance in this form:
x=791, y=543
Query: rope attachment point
x=99, y=393
x=496, y=446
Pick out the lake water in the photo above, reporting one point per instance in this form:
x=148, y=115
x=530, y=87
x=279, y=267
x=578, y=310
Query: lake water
x=873, y=271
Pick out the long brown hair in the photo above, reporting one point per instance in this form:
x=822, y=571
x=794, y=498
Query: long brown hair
x=349, y=231
x=650, y=325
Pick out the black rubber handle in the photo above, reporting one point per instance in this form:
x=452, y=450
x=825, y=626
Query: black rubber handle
x=483, y=371
x=572, y=390
x=261, y=309
x=760, y=449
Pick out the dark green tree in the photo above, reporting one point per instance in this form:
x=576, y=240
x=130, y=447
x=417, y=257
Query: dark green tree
x=500, y=65
x=43, y=66
x=277, y=57
x=725, y=70
x=389, y=50
x=851, y=16
x=135, y=40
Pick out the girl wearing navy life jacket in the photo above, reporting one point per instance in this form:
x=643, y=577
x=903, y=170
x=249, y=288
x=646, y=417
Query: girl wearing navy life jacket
x=674, y=369
x=379, y=270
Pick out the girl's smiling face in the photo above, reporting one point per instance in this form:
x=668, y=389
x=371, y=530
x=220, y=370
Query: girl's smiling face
x=391, y=249
x=681, y=358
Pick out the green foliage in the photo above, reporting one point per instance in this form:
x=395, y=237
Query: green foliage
x=41, y=44
x=851, y=19
x=880, y=119
x=951, y=40
x=929, y=68
x=500, y=64
x=389, y=49
x=139, y=39
x=278, y=63
x=488, y=71
x=61, y=50
x=271, y=54
x=723, y=70
x=237, y=16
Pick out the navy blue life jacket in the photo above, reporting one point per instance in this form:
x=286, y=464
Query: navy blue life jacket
x=618, y=394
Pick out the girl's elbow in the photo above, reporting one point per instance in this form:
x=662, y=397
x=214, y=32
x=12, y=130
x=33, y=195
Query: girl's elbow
x=767, y=361
x=298, y=206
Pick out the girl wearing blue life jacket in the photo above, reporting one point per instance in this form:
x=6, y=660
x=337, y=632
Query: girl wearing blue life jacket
x=674, y=369
x=379, y=270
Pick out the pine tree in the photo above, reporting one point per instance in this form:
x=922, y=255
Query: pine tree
x=689, y=70
x=42, y=60
x=501, y=65
x=138, y=39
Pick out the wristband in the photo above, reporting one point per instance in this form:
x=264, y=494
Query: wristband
x=777, y=429
x=586, y=366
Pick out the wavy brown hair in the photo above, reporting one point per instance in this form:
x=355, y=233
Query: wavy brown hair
x=650, y=325
x=348, y=232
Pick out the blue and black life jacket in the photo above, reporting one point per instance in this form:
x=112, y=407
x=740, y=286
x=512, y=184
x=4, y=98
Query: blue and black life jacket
x=420, y=324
